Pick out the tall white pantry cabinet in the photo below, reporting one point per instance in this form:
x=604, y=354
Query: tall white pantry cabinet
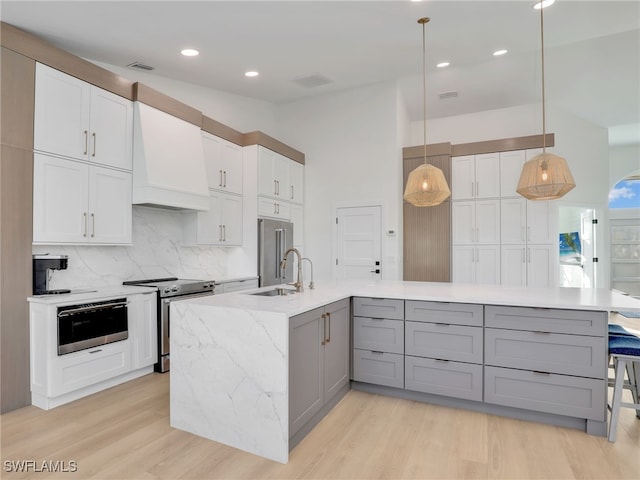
x=83, y=158
x=498, y=237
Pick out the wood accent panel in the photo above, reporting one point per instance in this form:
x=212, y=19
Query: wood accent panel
x=221, y=130
x=41, y=51
x=427, y=230
x=16, y=199
x=502, y=145
x=154, y=98
x=18, y=83
x=259, y=138
x=432, y=150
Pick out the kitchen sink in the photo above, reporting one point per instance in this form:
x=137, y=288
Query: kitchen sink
x=275, y=292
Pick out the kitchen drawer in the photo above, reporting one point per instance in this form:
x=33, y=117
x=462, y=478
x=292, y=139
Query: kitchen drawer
x=558, y=394
x=443, y=312
x=378, y=334
x=80, y=369
x=378, y=368
x=378, y=308
x=442, y=341
x=442, y=377
x=575, y=322
x=546, y=352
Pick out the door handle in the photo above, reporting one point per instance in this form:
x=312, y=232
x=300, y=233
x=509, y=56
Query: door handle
x=93, y=225
x=324, y=329
x=377, y=270
x=329, y=323
x=86, y=142
x=224, y=176
x=220, y=183
x=94, y=144
x=84, y=214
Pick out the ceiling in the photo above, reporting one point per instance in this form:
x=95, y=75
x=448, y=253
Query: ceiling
x=592, y=49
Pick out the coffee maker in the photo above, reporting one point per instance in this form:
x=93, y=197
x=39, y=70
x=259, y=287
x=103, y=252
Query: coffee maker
x=41, y=265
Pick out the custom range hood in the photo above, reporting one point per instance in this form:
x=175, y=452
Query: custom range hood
x=168, y=161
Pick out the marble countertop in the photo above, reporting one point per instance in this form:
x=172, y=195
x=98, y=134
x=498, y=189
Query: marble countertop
x=293, y=304
x=90, y=294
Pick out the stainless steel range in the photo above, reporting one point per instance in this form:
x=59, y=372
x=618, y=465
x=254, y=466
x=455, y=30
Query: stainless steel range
x=170, y=289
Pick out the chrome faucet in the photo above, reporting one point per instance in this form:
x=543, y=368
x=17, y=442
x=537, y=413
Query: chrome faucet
x=311, y=265
x=283, y=264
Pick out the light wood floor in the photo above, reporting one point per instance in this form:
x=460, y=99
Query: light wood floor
x=124, y=433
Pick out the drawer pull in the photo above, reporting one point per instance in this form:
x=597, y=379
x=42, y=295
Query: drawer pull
x=377, y=352
x=442, y=360
x=377, y=319
x=96, y=351
x=542, y=333
x=537, y=372
x=443, y=324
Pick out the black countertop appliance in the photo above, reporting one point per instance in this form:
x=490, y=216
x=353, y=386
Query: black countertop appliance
x=42, y=263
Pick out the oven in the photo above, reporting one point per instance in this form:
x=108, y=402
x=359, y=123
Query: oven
x=89, y=325
x=169, y=290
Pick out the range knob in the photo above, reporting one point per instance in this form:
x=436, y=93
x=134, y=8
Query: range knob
x=174, y=288
x=167, y=289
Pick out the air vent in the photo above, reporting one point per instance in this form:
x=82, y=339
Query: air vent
x=141, y=66
x=313, y=81
x=444, y=95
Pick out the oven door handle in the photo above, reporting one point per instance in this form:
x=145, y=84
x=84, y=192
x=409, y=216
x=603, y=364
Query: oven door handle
x=93, y=308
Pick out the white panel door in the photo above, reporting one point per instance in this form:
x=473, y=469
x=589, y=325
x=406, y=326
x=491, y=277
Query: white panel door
x=296, y=182
x=513, y=265
x=212, y=151
x=266, y=180
x=60, y=192
x=487, y=175
x=540, y=266
x=61, y=114
x=513, y=221
x=463, y=216
x=231, y=220
x=209, y=223
x=541, y=222
x=510, y=169
x=109, y=206
x=359, y=242
x=463, y=264
x=111, y=139
x=232, y=172
x=487, y=259
x=462, y=177
x=487, y=222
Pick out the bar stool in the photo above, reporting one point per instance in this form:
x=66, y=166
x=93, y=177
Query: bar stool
x=615, y=329
x=624, y=350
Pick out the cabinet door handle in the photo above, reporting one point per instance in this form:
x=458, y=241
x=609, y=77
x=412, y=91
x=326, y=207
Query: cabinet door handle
x=93, y=225
x=94, y=144
x=329, y=323
x=324, y=329
x=219, y=233
x=278, y=185
x=291, y=192
x=220, y=183
x=224, y=176
x=86, y=142
x=84, y=214
x=224, y=233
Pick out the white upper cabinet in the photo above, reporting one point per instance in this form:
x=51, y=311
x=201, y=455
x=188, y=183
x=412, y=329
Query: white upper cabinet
x=296, y=182
x=273, y=174
x=78, y=203
x=475, y=176
x=220, y=225
x=475, y=222
x=510, y=169
x=77, y=120
x=223, y=160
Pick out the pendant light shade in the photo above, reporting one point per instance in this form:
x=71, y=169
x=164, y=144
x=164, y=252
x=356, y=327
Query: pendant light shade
x=426, y=185
x=545, y=176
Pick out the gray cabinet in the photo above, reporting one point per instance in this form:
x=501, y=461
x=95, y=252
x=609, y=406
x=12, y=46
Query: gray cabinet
x=378, y=341
x=547, y=360
x=318, y=360
x=444, y=349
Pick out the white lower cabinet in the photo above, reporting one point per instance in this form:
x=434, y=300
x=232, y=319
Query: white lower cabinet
x=530, y=265
x=220, y=225
x=78, y=203
x=318, y=361
x=57, y=379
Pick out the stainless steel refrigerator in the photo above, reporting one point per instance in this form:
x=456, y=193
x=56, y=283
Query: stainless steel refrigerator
x=274, y=238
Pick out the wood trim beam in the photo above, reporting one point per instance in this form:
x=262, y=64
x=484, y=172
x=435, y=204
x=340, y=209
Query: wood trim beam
x=502, y=145
x=154, y=98
x=259, y=138
x=221, y=130
x=432, y=150
x=41, y=51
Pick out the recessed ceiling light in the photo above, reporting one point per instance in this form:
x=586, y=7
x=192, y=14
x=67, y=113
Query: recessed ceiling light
x=497, y=53
x=544, y=4
x=251, y=73
x=190, y=52
x=442, y=64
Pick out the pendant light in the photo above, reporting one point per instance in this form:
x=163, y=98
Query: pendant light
x=545, y=176
x=426, y=185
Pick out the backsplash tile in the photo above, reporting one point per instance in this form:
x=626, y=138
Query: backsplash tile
x=156, y=252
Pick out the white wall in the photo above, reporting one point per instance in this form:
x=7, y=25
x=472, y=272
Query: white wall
x=352, y=157
x=623, y=160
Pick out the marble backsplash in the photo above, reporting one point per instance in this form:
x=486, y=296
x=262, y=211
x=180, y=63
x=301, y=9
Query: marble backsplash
x=156, y=251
